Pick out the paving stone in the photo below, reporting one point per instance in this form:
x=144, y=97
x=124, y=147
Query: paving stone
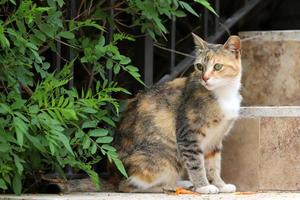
x=125, y=196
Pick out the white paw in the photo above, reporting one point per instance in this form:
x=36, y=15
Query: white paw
x=209, y=189
x=227, y=188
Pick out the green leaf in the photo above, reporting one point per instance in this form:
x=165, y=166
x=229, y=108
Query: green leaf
x=18, y=164
x=108, y=147
x=89, y=124
x=21, y=26
x=109, y=64
x=4, y=41
x=67, y=35
x=120, y=167
x=2, y=184
x=60, y=2
x=117, y=69
x=17, y=184
x=36, y=142
x=13, y=2
x=60, y=101
x=69, y=114
x=109, y=121
x=4, y=147
x=188, y=8
x=65, y=141
x=98, y=132
x=125, y=60
x=207, y=5
x=180, y=13
x=89, y=110
x=94, y=148
x=32, y=46
x=86, y=142
x=21, y=129
x=4, y=109
x=132, y=68
x=105, y=139
x=34, y=109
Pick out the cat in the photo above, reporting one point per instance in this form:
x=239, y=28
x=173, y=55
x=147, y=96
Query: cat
x=179, y=126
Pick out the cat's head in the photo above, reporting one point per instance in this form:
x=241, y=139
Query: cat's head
x=218, y=65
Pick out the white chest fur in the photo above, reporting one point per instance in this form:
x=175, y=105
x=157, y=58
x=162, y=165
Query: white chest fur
x=229, y=100
x=230, y=106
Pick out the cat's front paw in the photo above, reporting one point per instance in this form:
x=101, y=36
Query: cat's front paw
x=227, y=188
x=208, y=189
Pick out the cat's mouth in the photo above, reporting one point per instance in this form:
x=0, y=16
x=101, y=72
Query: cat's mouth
x=206, y=85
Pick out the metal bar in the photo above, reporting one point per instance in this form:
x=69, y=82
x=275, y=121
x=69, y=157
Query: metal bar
x=57, y=58
x=173, y=43
x=205, y=25
x=230, y=22
x=110, y=35
x=148, y=66
x=217, y=9
x=180, y=67
x=72, y=14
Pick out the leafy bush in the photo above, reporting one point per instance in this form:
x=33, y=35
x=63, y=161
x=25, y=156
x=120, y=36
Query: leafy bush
x=46, y=125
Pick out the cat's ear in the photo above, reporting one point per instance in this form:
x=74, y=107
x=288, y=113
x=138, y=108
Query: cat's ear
x=233, y=44
x=201, y=44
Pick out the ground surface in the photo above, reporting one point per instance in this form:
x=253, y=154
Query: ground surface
x=121, y=196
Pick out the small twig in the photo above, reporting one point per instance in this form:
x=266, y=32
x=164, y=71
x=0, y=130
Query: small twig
x=89, y=9
x=5, y=88
x=64, y=59
x=125, y=25
x=69, y=45
x=80, y=6
x=114, y=6
x=188, y=35
x=27, y=89
x=174, y=51
x=91, y=80
x=43, y=49
x=86, y=69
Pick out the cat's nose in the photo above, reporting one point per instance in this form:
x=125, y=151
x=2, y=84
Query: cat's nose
x=205, y=78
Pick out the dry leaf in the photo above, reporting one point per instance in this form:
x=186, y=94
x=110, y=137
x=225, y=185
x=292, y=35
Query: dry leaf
x=185, y=191
x=244, y=193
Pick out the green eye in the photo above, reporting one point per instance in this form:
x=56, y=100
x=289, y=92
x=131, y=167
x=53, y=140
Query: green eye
x=218, y=67
x=199, y=67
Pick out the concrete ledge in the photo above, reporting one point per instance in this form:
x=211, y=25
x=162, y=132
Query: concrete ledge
x=121, y=196
x=270, y=111
x=282, y=35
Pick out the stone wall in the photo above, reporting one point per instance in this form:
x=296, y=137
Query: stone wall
x=271, y=68
x=263, y=150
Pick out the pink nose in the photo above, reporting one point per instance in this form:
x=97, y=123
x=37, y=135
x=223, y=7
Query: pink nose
x=205, y=78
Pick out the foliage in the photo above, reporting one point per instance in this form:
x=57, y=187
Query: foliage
x=46, y=123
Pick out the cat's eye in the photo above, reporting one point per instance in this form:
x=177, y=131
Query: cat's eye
x=199, y=67
x=218, y=67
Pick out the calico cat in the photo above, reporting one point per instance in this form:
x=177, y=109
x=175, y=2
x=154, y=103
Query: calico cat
x=180, y=125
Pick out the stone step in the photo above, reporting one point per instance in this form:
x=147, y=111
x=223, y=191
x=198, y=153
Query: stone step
x=271, y=75
x=262, y=151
